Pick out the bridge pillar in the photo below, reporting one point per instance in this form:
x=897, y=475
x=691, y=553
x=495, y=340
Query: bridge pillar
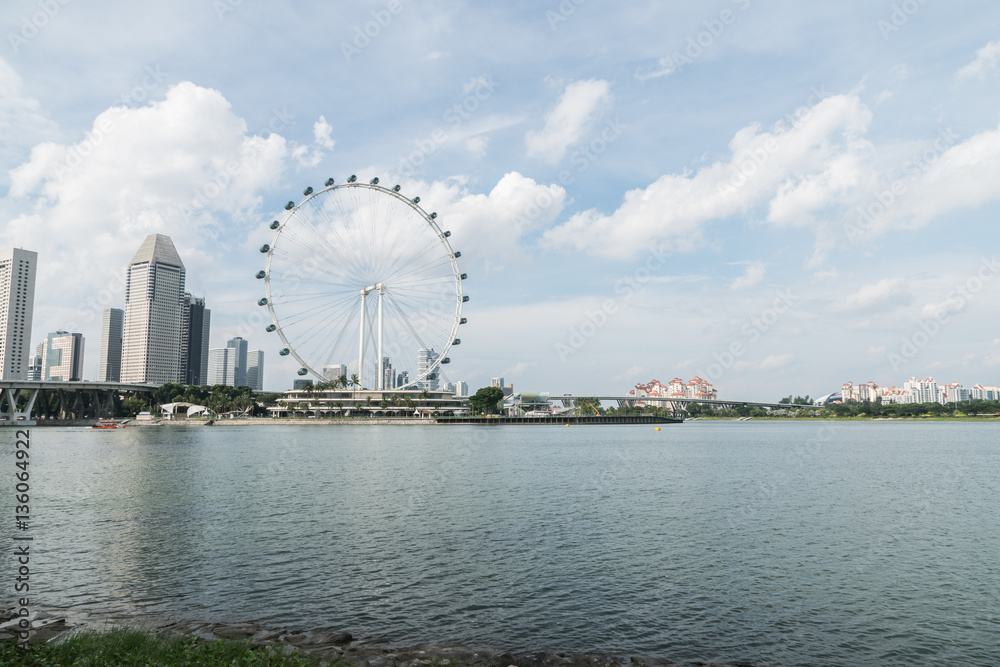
x=11, y=416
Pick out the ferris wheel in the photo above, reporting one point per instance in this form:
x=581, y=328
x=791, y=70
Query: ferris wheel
x=359, y=276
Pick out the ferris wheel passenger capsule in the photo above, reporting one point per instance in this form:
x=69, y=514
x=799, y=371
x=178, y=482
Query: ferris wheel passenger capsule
x=264, y=248
x=328, y=182
x=275, y=224
x=352, y=179
x=285, y=352
x=270, y=328
x=395, y=188
x=374, y=181
x=465, y=299
x=457, y=341
x=289, y=206
x=464, y=276
x=302, y=371
x=433, y=215
x=260, y=274
x=308, y=191
x=416, y=200
x=456, y=254
x=262, y=301
x=463, y=321
x=446, y=360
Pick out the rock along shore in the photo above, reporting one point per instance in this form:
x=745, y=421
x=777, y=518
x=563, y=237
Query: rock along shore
x=329, y=646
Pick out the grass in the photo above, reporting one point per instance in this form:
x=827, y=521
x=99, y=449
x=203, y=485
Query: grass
x=141, y=648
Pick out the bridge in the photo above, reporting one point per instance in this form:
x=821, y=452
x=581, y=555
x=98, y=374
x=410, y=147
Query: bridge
x=76, y=400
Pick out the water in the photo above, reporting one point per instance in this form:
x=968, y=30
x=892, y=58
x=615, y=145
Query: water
x=766, y=542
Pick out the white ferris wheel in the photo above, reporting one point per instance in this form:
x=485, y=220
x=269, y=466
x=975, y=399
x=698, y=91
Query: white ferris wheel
x=360, y=275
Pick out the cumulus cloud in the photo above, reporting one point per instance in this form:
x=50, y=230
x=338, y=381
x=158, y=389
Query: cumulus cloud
x=987, y=60
x=310, y=156
x=489, y=227
x=883, y=295
x=799, y=165
x=22, y=121
x=185, y=166
x=752, y=277
x=567, y=121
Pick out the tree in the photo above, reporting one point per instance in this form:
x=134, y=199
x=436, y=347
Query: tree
x=355, y=381
x=486, y=401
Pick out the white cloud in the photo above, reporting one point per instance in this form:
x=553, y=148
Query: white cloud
x=566, y=122
x=184, y=166
x=776, y=361
x=881, y=296
x=22, y=121
x=321, y=133
x=491, y=226
x=751, y=278
x=477, y=145
x=665, y=66
x=802, y=165
x=310, y=156
x=987, y=60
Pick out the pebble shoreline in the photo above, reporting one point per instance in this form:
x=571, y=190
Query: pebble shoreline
x=328, y=646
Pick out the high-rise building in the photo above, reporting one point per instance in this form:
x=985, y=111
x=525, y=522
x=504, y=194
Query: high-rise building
x=17, y=302
x=496, y=382
x=334, y=371
x=388, y=374
x=195, y=324
x=239, y=361
x=462, y=388
x=255, y=370
x=35, y=368
x=62, y=357
x=109, y=368
x=154, y=297
x=425, y=361
x=402, y=380
x=222, y=366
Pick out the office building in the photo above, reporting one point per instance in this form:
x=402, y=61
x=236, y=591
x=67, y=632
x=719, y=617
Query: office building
x=222, y=366
x=255, y=370
x=154, y=297
x=333, y=372
x=239, y=345
x=195, y=324
x=426, y=357
x=17, y=301
x=388, y=374
x=402, y=380
x=461, y=388
x=35, y=368
x=109, y=367
x=62, y=357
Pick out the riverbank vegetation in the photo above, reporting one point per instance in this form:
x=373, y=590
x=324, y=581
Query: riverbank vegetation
x=137, y=647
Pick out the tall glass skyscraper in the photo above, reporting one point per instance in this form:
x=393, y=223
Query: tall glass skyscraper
x=17, y=301
x=154, y=298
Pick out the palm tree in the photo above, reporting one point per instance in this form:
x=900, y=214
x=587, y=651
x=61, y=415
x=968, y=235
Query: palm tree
x=343, y=381
x=355, y=381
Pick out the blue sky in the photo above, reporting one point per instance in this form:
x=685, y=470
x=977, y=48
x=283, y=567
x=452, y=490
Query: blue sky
x=640, y=190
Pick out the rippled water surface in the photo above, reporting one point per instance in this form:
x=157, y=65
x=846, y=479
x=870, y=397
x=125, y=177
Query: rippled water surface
x=766, y=542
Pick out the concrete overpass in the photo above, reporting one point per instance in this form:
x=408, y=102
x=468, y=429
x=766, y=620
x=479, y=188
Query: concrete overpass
x=77, y=400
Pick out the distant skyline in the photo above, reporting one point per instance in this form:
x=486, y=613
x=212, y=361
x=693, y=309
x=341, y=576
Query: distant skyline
x=776, y=197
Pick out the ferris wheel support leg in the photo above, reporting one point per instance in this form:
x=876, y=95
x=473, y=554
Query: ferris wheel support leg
x=361, y=345
x=380, y=382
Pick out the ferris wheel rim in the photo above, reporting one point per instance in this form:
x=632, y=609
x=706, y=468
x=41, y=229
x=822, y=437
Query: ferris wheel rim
x=428, y=218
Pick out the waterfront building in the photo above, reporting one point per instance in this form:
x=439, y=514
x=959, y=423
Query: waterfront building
x=17, y=302
x=696, y=387
x=426, y=357
x=154, y=297
x=195, y=325
x=255, y=370
x=981, y=393
x=330, y=403
x=953, y=393
x=109, y=367
x=921, y=391
x=862, y=393
x=62, y=357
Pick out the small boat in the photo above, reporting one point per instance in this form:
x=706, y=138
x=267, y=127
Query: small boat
x=109, y=423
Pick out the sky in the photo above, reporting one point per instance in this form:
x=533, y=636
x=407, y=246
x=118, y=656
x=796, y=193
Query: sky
x=777, y=196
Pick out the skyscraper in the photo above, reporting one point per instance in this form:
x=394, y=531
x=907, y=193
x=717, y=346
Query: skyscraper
x=334, y=371
x=17, y=301
x=109, y=367
x=154, y=296
x=221, y=366
x=425, y=360
x=255, y=370
x=388, y=375
x=62, y=357
x=239, y=360
x=195, y=325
